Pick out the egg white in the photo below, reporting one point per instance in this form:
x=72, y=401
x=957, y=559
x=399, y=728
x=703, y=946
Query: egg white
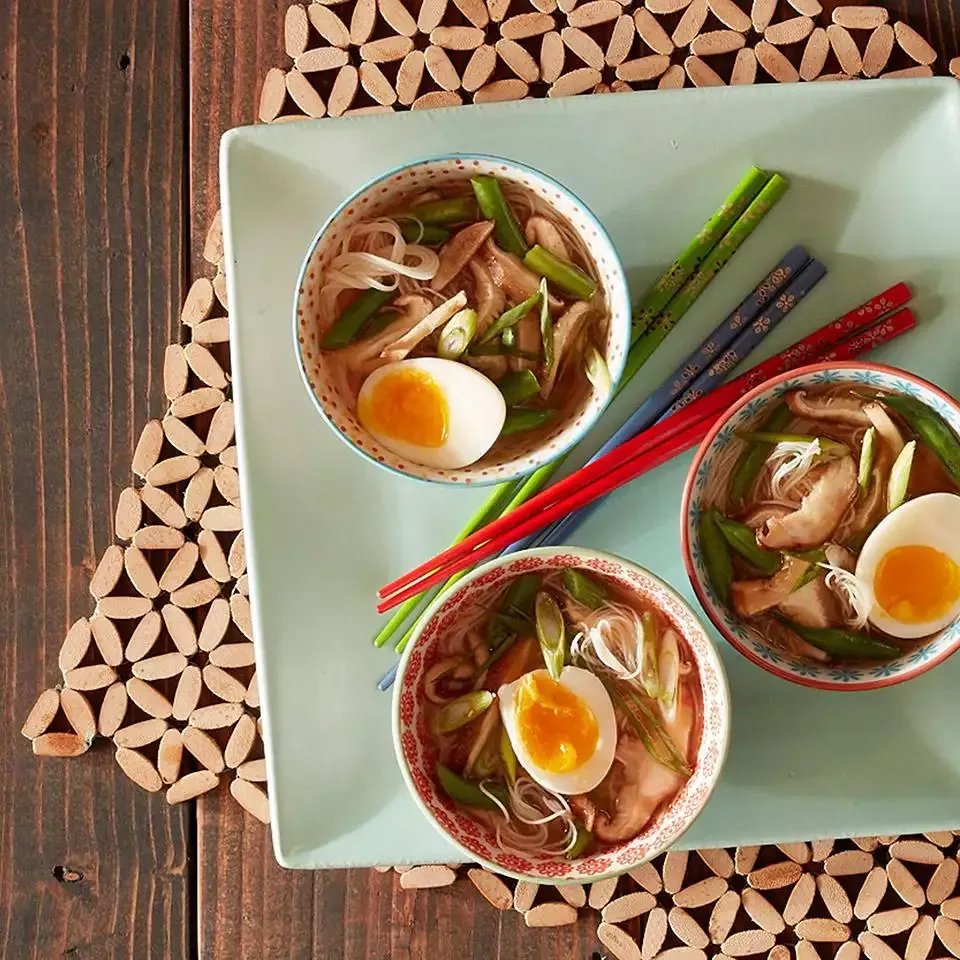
x=589, y=774
x=933, y=521
x=475, y=413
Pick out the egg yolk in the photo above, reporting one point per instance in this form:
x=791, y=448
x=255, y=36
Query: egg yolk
x=916, y=584
x=407, y=405
x=558, y=729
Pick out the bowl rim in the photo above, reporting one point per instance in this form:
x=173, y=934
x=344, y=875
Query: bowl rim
x=723, y=723
x=617, y=266
x=685, y=545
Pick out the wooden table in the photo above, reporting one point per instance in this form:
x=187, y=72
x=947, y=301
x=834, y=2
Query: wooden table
x=110, y=117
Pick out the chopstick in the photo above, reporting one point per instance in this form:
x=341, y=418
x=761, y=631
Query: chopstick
x=533, y=514
x=668, y=284
x=715, y=261
x=808, y=349
x=727, y=354
x=644, y=452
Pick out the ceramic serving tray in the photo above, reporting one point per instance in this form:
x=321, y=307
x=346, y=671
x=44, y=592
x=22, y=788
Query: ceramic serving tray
x=873, y=169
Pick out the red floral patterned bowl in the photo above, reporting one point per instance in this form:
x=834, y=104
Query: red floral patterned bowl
x=417, y=754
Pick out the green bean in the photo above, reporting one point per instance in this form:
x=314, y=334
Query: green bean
x=494, y=207
x=457, y=333
x=519, y=386
x=583, y=840
x=934, y=432
x=520, y=421
x=716, y=555
x=521, y=595
x=755, y=456
x=517, y=600
x=516, y=624
x=468, y=793
x=585, y=590
x=448, y=210
x=775, y=436
x=546, y=325
x=867, y=456
x=564, y=275
x=379, y=322
x=844, y=644
x=348, y=324
x=415, y=231
x=744, y=541
x=812, y=557
x=500, y=350
x=498, y=652
x=551, y=632
x=676, y=761
x=654, y=738
x=511, y=317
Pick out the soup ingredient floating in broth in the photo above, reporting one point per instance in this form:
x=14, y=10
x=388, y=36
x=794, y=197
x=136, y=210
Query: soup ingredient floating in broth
x=437, y=412
x=484, y=280
x=838, y=525
x=911, y=565
x=563, y=731
x=558, y=747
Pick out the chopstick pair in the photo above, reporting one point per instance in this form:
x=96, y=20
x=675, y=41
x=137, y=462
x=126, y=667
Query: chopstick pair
x=707, y=367
x=667, y=439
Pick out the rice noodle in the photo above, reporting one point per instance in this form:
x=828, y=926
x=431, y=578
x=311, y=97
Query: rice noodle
x=855, y=595
x=528, y=801
x=791, y=462
x=612, y=637
x=364, y=257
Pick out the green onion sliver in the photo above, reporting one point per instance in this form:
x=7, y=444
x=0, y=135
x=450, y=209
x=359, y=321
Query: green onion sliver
x=546, y=326
x=900, y=477
x=457, y=334
x=551, y=632
x=867, y=454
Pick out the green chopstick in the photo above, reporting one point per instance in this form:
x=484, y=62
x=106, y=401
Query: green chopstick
x=715, y=261
x=697, y=250
x=487, y=511
x=671, y=296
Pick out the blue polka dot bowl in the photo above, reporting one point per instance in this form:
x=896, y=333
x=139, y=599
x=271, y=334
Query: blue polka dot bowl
x=522, y=454
x=709, y=477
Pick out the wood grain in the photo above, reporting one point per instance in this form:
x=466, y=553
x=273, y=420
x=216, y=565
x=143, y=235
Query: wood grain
x=91, y=99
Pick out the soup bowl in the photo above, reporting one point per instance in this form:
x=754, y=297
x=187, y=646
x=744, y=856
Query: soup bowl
x=708, y=478
x=523, y=453
x=417, y=753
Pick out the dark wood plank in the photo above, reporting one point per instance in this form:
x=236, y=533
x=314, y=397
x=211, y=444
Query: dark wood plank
x=247, y=906
x=91, y=154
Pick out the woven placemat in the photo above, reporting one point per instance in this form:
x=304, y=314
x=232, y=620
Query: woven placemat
x=164, y=665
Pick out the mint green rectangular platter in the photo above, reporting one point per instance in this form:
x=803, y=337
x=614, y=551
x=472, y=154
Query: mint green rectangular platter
x=873, y=166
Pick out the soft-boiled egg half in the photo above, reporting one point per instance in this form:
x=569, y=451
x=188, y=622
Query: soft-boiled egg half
x=439, y=413
x=564, y=732
x=911, y=562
